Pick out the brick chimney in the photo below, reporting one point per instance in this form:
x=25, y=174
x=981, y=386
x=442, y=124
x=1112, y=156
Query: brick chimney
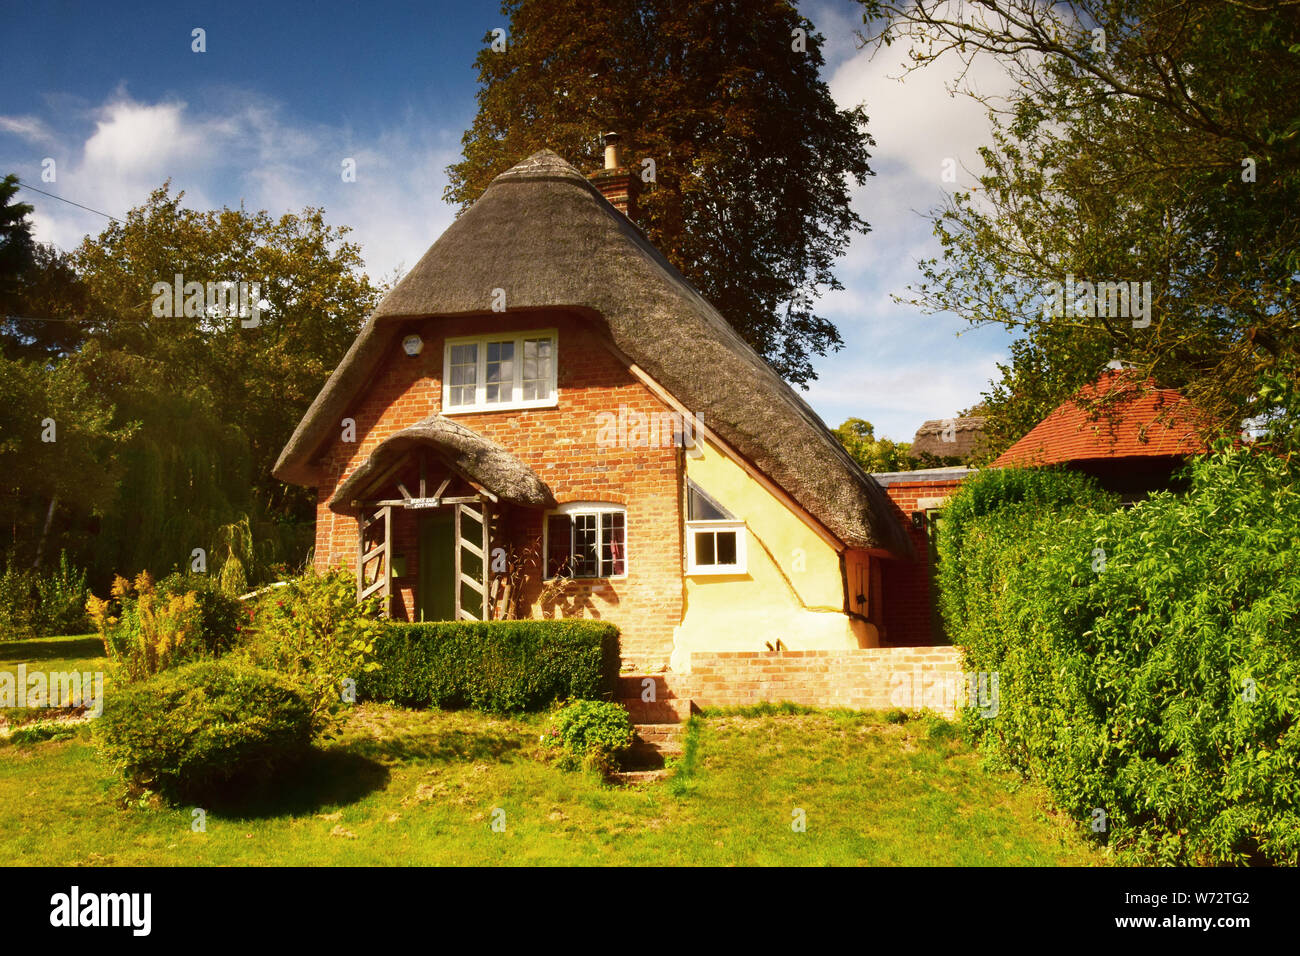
x=616, y=182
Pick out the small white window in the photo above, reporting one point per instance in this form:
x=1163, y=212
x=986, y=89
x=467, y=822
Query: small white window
x=499, y=372
x=715, y=547
x=586, y=540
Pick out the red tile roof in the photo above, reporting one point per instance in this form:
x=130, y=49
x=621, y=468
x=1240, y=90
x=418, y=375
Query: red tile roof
x=1145, y=421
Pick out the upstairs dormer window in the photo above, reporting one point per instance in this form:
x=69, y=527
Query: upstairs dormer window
x=498, y=372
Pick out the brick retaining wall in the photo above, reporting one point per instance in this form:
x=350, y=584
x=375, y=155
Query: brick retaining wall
x=873, y=678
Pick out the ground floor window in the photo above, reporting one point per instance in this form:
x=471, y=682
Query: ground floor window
x=585, y=540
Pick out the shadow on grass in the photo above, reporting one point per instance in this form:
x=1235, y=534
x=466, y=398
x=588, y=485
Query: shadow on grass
x=348, y=770
x=321, y=778
x=434, y=744
x=27, y=652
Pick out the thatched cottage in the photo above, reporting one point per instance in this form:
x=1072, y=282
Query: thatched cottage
x=544, y=418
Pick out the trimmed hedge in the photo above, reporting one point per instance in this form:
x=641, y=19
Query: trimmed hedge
x=496, y=666
x=1149, y=658
x=194, y=727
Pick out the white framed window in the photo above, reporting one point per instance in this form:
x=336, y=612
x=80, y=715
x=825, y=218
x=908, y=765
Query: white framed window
x=586, y=540
x=490, y=372
x=715, y=547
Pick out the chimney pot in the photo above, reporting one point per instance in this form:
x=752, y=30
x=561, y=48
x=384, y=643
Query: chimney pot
x=616, y=182
x=613, y=152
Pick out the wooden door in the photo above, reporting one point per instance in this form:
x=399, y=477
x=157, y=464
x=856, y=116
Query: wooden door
x=435, y=598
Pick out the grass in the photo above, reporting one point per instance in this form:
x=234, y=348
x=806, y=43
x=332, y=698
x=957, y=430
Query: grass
x=81, y=652
x=423, y=787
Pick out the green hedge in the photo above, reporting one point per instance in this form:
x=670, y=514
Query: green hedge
x=1149, y=658
x=197, y=726
x=497, y=666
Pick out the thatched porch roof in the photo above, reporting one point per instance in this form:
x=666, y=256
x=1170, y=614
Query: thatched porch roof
x=466, y=452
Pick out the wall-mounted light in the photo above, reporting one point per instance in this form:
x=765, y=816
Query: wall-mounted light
x=412, y=345
x=918, y=519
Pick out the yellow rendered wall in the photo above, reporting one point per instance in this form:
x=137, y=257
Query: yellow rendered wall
x=792, y=590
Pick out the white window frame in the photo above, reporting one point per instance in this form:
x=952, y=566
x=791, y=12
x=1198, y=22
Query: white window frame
x=480, y=381
x=742, y=563
x=572, y=509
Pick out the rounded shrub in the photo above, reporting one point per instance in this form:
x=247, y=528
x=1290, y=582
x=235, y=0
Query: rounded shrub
x=592, y=734
x=197, y=726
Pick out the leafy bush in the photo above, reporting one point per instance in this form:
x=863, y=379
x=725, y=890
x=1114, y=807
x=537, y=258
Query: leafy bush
x=34, y=604
x=148, y=627
x=497, y=666
x=39, y=731
x=591, y=734
x=1149, y=658
x=194, y=727
x=315, y=633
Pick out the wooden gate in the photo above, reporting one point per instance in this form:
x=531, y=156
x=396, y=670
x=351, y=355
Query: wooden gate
x=472, y=560
x=374, y=556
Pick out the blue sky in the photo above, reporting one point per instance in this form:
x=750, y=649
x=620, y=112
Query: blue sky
x=286, y=91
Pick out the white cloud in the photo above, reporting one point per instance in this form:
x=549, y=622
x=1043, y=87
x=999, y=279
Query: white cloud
x=245, y=150
x=30, y=128
x=900, y=366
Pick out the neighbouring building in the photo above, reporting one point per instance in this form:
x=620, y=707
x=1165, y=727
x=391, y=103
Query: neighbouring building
x=1129, y=434
x=955, y=440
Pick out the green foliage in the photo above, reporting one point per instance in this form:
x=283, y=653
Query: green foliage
x=1204, y=212
x=148, y=627
x=192, y=728
x=167, y=427
x=33, y=604
x=753, y=157
x=874, y=454
x=49, y=486
x=40, y=731
x=497, y=666
x=16, y=245
x=315, y=633
x=591, y=735
x=1149, y=658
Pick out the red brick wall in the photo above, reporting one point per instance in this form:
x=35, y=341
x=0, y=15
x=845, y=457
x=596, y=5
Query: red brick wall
x=907, y=585
x=560, y=445
x=873, y=678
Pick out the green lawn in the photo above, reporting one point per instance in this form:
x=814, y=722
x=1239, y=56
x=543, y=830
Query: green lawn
x=421, y=787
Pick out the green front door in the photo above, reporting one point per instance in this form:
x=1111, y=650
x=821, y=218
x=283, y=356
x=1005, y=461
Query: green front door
x=436, y=598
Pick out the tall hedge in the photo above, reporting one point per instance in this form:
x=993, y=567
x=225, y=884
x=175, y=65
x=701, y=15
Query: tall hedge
x=497, y=666
x=1149, y=658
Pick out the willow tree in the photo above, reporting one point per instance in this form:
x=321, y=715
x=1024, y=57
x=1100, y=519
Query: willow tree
x=744, y=157
x=1145, y=141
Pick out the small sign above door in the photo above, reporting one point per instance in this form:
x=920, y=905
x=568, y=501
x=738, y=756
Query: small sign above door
x=423, y=502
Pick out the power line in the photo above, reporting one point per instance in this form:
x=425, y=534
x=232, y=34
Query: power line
x=69, y=202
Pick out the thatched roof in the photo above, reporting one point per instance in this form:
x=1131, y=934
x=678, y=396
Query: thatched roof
x=967, y=434
x=545, y=235
x=468, y=452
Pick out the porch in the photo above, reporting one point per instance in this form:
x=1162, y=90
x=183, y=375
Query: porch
x=433, y=504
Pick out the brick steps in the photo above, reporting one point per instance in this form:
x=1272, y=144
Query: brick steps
x=671, y=711
x=633, y=778
x=659, y=726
